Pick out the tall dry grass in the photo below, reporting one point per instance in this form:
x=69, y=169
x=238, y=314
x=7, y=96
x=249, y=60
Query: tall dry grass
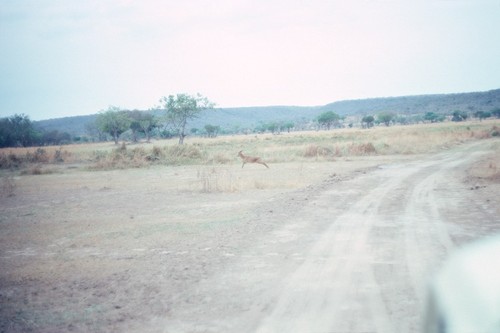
x=287, y=147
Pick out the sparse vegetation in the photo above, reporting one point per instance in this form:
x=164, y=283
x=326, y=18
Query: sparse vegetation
x=222, y=150
x=15, y=158
x=216, y=180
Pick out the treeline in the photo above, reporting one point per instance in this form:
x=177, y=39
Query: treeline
x=118, y=124
x=330, y=119
x=19, y=131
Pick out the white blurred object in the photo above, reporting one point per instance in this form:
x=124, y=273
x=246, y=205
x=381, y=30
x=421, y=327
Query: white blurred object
x=465, y=294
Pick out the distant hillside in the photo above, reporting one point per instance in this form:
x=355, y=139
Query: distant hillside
x=73, y=125
x=249, y=117
x=443, y=104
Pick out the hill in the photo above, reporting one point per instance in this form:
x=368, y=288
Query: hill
x=442, y=104
x=249, y=117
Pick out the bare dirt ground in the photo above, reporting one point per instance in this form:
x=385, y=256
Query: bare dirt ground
x=344, y=246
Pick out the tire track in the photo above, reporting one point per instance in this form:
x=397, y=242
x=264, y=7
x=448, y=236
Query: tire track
x=324, y=295
x=357, y=279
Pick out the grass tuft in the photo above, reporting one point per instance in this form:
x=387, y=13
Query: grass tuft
x=216, y=180
x=316, y=151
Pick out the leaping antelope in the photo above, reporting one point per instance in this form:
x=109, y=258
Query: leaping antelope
x=251, y=159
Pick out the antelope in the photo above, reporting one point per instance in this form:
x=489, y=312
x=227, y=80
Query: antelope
x=251, y=159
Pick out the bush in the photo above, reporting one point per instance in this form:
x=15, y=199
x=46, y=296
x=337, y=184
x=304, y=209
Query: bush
x=495, y=131
x=182, y=154
x=38, y=156
x=58, y=156
x=156, y=154
x=9, y=161
x=315, y=151
x=362, y=149
x=219, y=159
x=122, y=158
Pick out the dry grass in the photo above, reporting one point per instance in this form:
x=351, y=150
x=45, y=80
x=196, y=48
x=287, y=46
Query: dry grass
x=288, y=147
x=19, y=157
x=215, y=179
x=487, y=169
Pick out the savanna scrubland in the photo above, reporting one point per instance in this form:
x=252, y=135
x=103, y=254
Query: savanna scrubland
x=158, y=237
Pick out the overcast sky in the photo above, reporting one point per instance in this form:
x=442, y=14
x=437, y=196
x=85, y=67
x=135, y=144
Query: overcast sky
x=72, y=57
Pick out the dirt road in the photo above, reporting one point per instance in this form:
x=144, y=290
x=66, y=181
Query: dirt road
x=352, y=253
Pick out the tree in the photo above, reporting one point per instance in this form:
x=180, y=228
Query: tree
x=260, y=128
x=182, y=108
x=385, y=117
x=482, y=115
x=113, y=121
x=459, y=116
x=212, y=130
x=496, y=112
x=94, y=131
x=143, y=122
x=288, y=126
x=148, y=123
x=367, y=121
x=135, y=127
x=328, y=118
x=431, y=116
x=18, y=130
x=273, y=127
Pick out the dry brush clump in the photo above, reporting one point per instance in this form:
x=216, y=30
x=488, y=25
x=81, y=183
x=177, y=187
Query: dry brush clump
x=123, y=157
x=26, y=158
x=216, y=180
x=120, y=158
x=339, y=150
x=495, y=131
x=316, y=151
x=362, y=149
x=10, y=160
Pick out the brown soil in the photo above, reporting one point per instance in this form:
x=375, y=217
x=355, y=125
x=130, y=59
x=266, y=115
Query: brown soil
x=344, y=246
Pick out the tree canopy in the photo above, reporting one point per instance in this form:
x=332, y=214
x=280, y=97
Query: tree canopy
x=182, y=108
x=18, y=131
x=212, y=130
x=385, y=117
x=482, y=114
x=496, y=112
x=368, y=121
x=328, y=119
x=459, y=116
x=114, y=121
x=143, y=122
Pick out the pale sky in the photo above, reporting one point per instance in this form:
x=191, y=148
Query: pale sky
x=75, y=57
